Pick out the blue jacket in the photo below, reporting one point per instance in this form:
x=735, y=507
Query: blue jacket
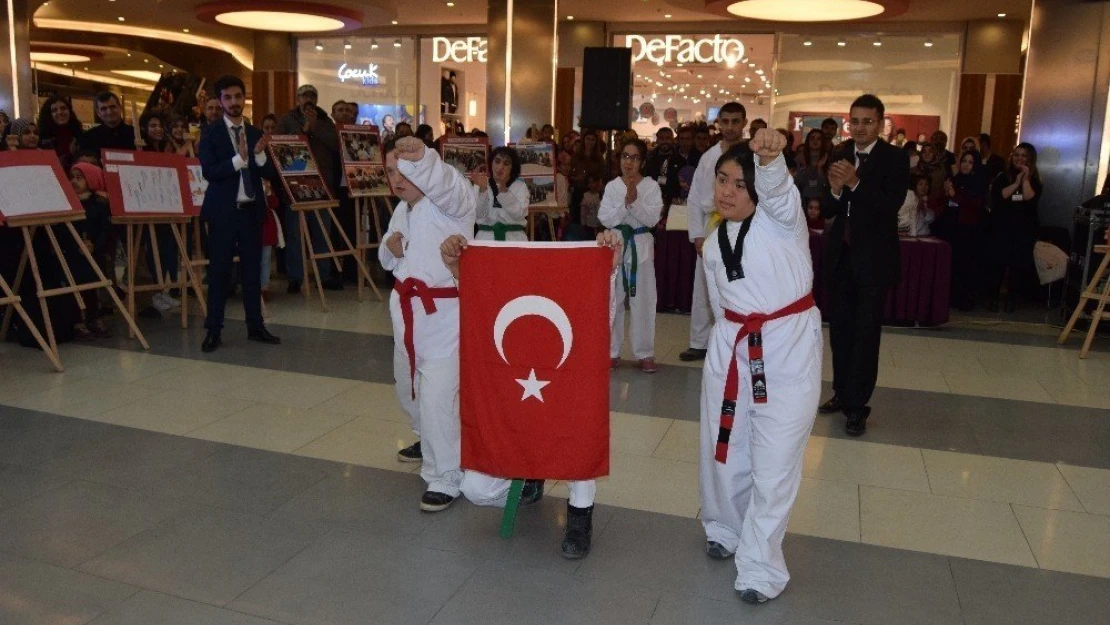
x=216, y=152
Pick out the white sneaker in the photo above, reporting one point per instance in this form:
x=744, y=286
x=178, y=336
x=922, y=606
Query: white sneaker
x=159, y=301
x=171, y=300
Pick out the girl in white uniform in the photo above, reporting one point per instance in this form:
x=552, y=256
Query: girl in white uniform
x=633, y=205
x=762, y=374
x=438, y=202
x=487, y=490
x=502, y=199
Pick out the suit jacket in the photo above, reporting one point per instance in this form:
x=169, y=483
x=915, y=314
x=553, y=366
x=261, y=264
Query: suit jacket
x=873, y=217
x=222, y=197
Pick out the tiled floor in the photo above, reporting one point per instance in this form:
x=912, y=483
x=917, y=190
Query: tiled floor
x=260, y=485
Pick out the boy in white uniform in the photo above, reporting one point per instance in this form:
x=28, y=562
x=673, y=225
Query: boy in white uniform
x=487, y=490
x=731, y=120
x=502, y=199
x=633, y=205
x=762, y=374
x=438, y=202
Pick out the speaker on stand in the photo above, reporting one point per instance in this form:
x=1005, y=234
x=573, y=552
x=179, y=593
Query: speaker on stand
x=607, y=88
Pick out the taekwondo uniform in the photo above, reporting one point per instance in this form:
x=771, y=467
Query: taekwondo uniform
x=635, y=222
x=765, y=356
x=503, y=218
x=424, y=307
x=700, y=203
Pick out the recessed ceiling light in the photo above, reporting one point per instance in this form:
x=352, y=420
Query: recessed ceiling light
x=121, y=19
x=160, y=66
x=666, y=16
x=319, y=45
x=570, y=18
x=877, y=43
x=281, y=21
x=806, y=10
x=928, y=43
x=747, y=78
x=759, y=71
x=129, y=54
x=346, y=44
x=146, y=60
x=394, y=22
x=373, y=44
x=1001, y=15
x=699, y=75
x=807, y=42
x=396, y=43
x=450, y=4
x=184, y=30
x=59, y=57
x=730, y=76
x=841, y=43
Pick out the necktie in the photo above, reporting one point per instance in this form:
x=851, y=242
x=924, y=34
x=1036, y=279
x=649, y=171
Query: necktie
x=245, y=172
x=862, y=156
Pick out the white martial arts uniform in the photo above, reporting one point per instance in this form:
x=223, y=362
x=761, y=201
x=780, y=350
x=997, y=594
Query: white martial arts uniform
x=447, y=208
x=644, y=213
x=746, y=501
x=700, y=202
x=513, y=211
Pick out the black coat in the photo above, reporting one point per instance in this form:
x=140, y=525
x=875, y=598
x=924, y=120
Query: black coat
x=873, y=218
x=216, y=152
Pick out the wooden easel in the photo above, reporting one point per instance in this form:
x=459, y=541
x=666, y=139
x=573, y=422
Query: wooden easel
x=197, y=260
x=550, y=212
x=13, y=301
x=309, y=255
x=187, y=276
x=1091, y=294
x=362, y=240
x=29, y=225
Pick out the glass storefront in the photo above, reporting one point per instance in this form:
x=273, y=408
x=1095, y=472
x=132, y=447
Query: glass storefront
x=453, y=81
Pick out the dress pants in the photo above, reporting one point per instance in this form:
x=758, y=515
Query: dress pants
x=435, y=416
x=485, y=490
x=242, y=235
x=701, y=317
x=855, y=328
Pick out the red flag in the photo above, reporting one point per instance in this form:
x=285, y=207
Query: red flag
x=534, y=354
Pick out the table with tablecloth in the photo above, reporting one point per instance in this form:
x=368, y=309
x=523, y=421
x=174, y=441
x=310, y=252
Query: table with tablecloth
x=922, y=295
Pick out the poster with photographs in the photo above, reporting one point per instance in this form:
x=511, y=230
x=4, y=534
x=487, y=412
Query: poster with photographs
x=363, y=162
x=538, y=171
x=469, y=155
x=197, y=184
x=300, y=176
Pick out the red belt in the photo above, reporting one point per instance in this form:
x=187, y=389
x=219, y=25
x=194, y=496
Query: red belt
x=751, y=326
x=408, y=289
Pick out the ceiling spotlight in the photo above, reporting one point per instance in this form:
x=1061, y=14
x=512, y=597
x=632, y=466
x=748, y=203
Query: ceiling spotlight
x=807, y=43
x=699, y=75
x=450, y=4
x=570, y=18
x=373, y=44
x=121, y=19
x=666, y=16
x=1001, y=15
x=394, y=22
x=160, y=66
x=877, y=43
x=759, y=71
x=730, y=76
x=928, y=43
x=747, y=78
x=751, y=64
x=759, y=91
x=146, y=60
x=396, y=43
x=841, y=43
x=184, y=30
x=319, y=45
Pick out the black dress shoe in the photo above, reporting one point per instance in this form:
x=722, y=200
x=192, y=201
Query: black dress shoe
x=579, y=532
x=211, y=342
x=532, y=492
x=294, y=287
x=692, y=354
x=332, y=284
x=857, y=421
x=831, y=406
x=262, y=335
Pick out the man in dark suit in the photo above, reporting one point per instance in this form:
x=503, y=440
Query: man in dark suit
x=233, y=158
x=867, y=185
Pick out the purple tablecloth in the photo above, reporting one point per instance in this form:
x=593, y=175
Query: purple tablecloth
x=922, y=295
x=675, y=260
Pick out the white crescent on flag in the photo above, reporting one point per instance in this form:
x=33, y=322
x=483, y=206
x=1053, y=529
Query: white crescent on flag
x=534, y=305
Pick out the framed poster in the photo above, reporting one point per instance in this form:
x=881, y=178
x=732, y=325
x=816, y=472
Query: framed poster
x=363, y=162
x=302, y=179
x=147, y=184
x=197, y=184
x=538, y=169
x=32, y=184
x=469, y=155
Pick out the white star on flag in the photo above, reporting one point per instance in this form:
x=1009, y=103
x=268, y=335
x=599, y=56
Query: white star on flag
x=532, y=386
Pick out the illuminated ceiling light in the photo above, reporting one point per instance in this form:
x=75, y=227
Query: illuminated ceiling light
x=146, y=60
x=160, y=66
x=699, y=75
x=450, y=4
x=759, y=91
x=570, y=18
x=928, y=43
x=280, y=15
x=807, y=43
x=805, y=10
x=759, y=71
x=59, y=57
x=1001, y=15
x=184, y=30
x=841, y=43
x=138, y=73
x=747, y=78
x=751, y=64
x=120, y=18
x=243, y=55
x=319, y=46
x=878, y=43
x=666, y=16
x=129, y=55
x=730, y=76
x=373, y=44
x=346, y=44
x=394, y=22
x=396, y=43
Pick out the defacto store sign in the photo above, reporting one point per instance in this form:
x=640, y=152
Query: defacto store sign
x=368, y=76
x=681, y=49
x=466, y=50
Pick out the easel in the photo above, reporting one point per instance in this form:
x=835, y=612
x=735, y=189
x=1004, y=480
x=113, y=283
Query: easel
x=187, y=277
x=309, y=256
x=196, y=260
x=10, y=299
x=362, y=239
x=1102, y=298
x=29, y=225
x=551, y=213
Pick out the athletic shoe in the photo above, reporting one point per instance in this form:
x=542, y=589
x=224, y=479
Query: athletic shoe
x=692, y=355
x=410, y=453
x=647, y=365
x=432, y=501
x=753, y=597
x=717, y=551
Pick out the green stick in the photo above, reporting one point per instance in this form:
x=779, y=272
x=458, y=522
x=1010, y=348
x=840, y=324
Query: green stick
x=508, y=519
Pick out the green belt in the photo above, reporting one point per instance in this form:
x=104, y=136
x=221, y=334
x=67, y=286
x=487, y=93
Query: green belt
x=628, y=276
x=499, y=229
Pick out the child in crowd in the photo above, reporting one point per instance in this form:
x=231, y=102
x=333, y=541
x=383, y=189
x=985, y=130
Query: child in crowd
x=916, y=215
x=272, y=236
x=88, y=183
x=813, y=214
x=591, y=203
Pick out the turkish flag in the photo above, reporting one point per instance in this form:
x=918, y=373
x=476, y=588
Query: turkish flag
x=534, y=356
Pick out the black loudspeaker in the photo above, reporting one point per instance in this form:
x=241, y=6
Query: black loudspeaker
x=607, y=88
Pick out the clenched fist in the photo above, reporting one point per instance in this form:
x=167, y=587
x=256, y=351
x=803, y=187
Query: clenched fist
x=768, y=144
x=410, y=149
x=450, y=251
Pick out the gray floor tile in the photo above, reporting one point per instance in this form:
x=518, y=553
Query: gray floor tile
x=155, y=608
x=676, y=610
x=78, y=521
x=998, y=594
x=30, y=438
x=674, y=392
x=244, y=480
x=345, y=579
x=203, y=554
x=660, y=552
x=131, y=458
x=504, y=594
x=18, y=484
x=844, y=581
x=367, y=501
x=34, y=593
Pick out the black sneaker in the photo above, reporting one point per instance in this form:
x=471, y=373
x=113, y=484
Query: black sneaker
x=753, y=597
x=532, y=492
x=432, y=501
x=410, y=453
x=579, y=531
x=717, y=551
x=692, y=355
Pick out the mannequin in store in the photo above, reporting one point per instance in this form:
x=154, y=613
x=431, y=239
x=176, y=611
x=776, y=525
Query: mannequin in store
x=449, y=93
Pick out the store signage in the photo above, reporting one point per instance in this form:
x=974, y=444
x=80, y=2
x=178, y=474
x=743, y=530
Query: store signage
x=680, y=49
x=368, y=76
x=466, y=50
